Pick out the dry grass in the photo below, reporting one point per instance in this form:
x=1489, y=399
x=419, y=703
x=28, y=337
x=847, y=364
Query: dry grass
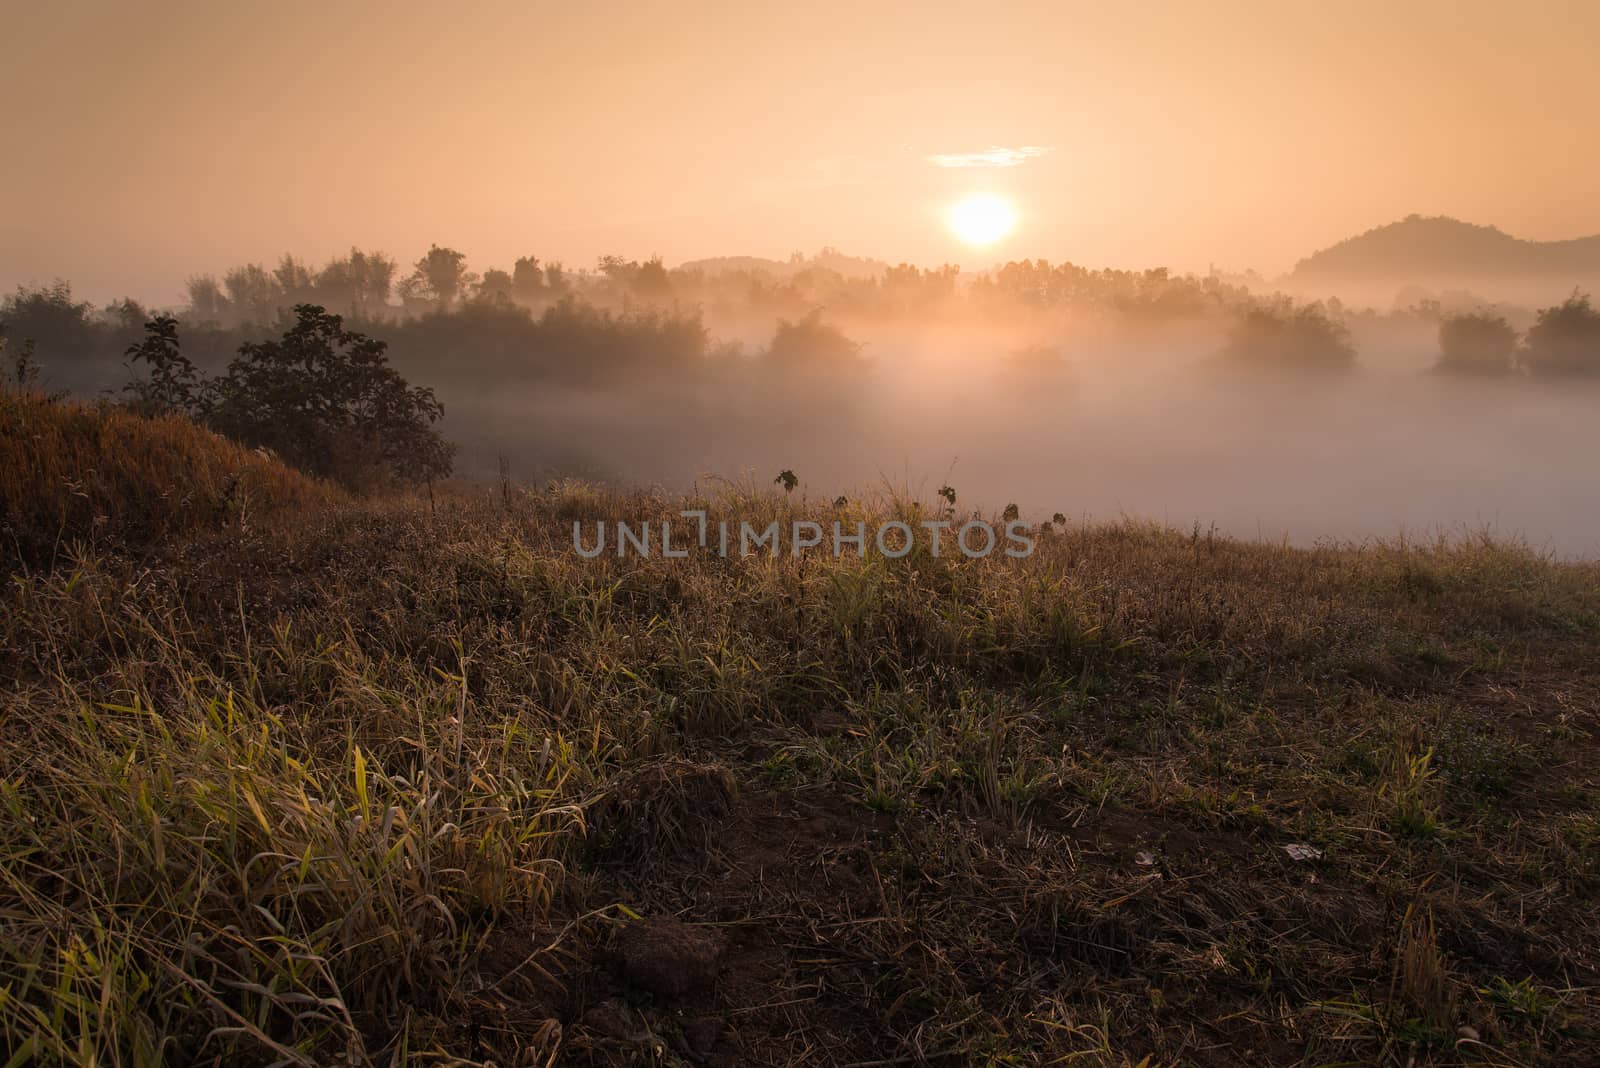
x=99, y=474
x=393, y=783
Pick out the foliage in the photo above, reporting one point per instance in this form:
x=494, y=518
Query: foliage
x=1565, y=340
x=647, y=281
x=1152, y=295
x=173, y=384
x=1282, y=338
x=1480, y=343
x=439, y=276
x=326, y=400
x=358, y=283
x=496, y=286
x=80, y=345
x=811, y=345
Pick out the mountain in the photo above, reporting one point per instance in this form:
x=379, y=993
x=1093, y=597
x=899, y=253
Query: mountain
x=1445, y=252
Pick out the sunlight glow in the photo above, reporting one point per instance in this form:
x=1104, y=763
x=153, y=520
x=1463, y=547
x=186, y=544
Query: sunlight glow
x=982, y=218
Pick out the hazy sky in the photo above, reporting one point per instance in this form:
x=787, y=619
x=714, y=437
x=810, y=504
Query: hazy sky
x=145, y=142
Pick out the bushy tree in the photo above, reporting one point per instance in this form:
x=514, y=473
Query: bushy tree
x=322, y=397
x=440, y=276
x=207, y=302
x=294, y=280
x=359, y=282
x=1282, y=338
x=811, y=345
x=497, y=286
x=527, y=279
x=556, y=279
x=1564, y=341
x=577, y=341
x=81, y=346
x=49, y=315
x=253, y=293
x=326, y=400
x=1480, y=343
x=651, y=280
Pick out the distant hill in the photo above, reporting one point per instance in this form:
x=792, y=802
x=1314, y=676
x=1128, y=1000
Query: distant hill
x=1441, y=251
x=830, y=258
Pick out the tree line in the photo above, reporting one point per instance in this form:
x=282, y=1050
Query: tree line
x=624, y=319
x=1562, y=343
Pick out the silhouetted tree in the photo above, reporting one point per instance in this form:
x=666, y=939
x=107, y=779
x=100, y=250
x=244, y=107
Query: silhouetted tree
x=527, y=279
x=812, y=345
x=497, y=285
x=1479, y=343
x=358, y=283
x=207, y=302
x=253, y=293
x=555, y=279
x=1282, y=338
x=326, y=400
x=616, y=268
x=372, y=274
x=650, y=280
x=440, y=275
x=173, y=385
x=82, y=349
x=1564, y=341
x=293, y=280
x=906, y=287
x=50, y=316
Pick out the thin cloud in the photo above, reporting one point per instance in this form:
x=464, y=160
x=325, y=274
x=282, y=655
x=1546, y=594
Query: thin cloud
x=994, y=156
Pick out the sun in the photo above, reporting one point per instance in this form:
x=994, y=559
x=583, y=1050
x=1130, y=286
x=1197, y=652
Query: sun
x=982, y=218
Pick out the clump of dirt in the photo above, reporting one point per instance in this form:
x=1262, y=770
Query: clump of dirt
x=661, y=807
x=669, y=958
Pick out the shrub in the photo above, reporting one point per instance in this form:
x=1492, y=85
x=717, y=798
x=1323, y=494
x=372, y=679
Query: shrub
x=174, y=385
x=1480, y=343
x=1284, y=338
x=1565, y=340
x=811, y=345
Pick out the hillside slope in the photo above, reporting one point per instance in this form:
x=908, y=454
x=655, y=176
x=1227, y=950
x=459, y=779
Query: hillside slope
x=1445, y=251
x=73, y=471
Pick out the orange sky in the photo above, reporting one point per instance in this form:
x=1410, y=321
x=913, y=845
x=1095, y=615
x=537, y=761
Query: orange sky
x=147, y=142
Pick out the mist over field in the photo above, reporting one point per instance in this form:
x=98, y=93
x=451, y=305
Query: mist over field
x=1216, y=402
x=1115, y=432
x=1093, y=418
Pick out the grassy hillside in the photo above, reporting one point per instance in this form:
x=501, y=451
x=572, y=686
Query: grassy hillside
x=73, y=473
x=389, y=783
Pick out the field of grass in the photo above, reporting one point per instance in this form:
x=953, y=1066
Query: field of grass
x=409, y=782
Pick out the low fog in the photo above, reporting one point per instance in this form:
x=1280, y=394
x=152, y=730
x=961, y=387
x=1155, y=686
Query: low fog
x=1211, y=402
x=1154, y=432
